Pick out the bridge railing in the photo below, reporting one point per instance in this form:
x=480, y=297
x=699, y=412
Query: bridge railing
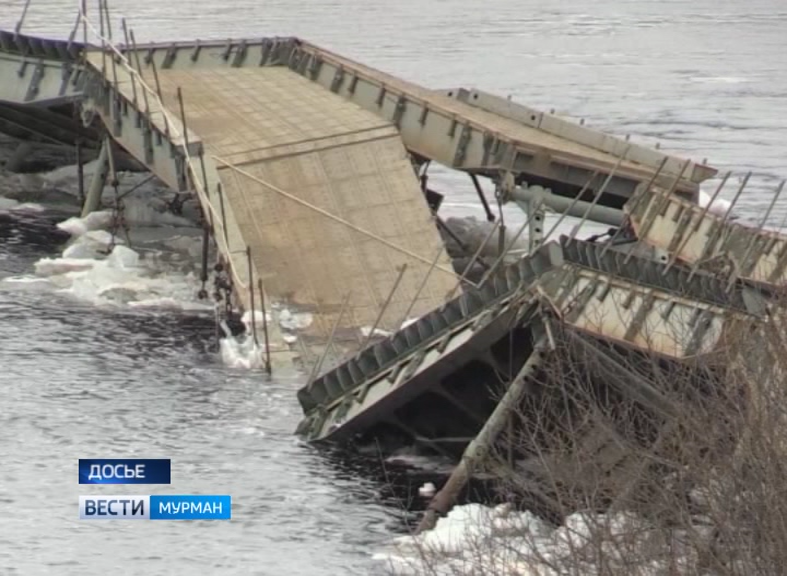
x=178, y=132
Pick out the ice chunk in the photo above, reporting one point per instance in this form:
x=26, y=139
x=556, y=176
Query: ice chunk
x=294, y=321
x=719, y=206
x=93, y=221
x=123, y=257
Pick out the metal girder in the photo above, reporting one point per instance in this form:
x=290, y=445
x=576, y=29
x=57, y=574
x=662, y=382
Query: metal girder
x=576, y=132
x=36, y=47
x=589, y=289
x=44, y=125
x=465, y=137
x=36, y=81
x=603, y=214
x=695, y=236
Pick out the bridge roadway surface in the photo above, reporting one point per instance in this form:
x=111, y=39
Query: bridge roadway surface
x=321, y=191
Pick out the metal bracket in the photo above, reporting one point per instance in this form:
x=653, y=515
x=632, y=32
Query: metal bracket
x=640, y=316
x=196, y=51
x=424, y=114
x=66, y=71
x=461, y=146
x=117, y=122
x=169, y=57
x=303, y=63
x=489, y=142
x=22, y=69
x=294, y=58
x=227, y=51
x=702, y=320
x=401, y=105
x=338, y=78
x=240, y=55
x=267, y=48
x=534, y=209
x=452, y=128
x=148, y=140
x=35, y=82
x=315, y=66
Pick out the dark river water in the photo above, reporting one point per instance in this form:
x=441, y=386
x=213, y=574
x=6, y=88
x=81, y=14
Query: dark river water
x=705, y=78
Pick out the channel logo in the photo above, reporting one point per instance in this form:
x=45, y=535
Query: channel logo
x=155, y=507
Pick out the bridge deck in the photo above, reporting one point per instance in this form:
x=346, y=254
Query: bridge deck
x=301, y=171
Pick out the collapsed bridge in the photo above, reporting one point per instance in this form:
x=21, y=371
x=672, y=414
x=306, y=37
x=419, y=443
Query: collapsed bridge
x=305, y=162
x=309, y=169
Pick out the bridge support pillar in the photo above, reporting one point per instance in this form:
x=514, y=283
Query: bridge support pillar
x=97, y=183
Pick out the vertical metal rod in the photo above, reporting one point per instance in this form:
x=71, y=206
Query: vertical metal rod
x=205, y=187
x=610, y=176
x=385, y=306
x=570, y=207
x=111, y=162
x=501, y=239
x=183, y=119
x=695, y=226
x=710, y=245
x=318, y=365
x=139, y=69
x=160, y=95
x=84, y=22
x=102, y=34
x=251, y=296
x=109, y=21
x=664, y=200
x=481, y=196
x=21, y=21
x=74, y=30
x=637, y=198
x=268, y=368
x=505, y=252
x=223, y=216
x=205, y=246
x=754, y=236
x=187, y=164
x=466, y=271
x=80, y=171
x=112, y=54
x=421, y=287
x=125, y=53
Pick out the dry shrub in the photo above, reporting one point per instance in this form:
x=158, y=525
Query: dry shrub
x=645, y=466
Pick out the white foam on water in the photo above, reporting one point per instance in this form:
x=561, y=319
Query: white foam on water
x=720, y=79
x=242, y=352
x=11, y=205
x=97, y=268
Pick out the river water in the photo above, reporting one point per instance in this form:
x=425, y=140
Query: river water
x=704, y=78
